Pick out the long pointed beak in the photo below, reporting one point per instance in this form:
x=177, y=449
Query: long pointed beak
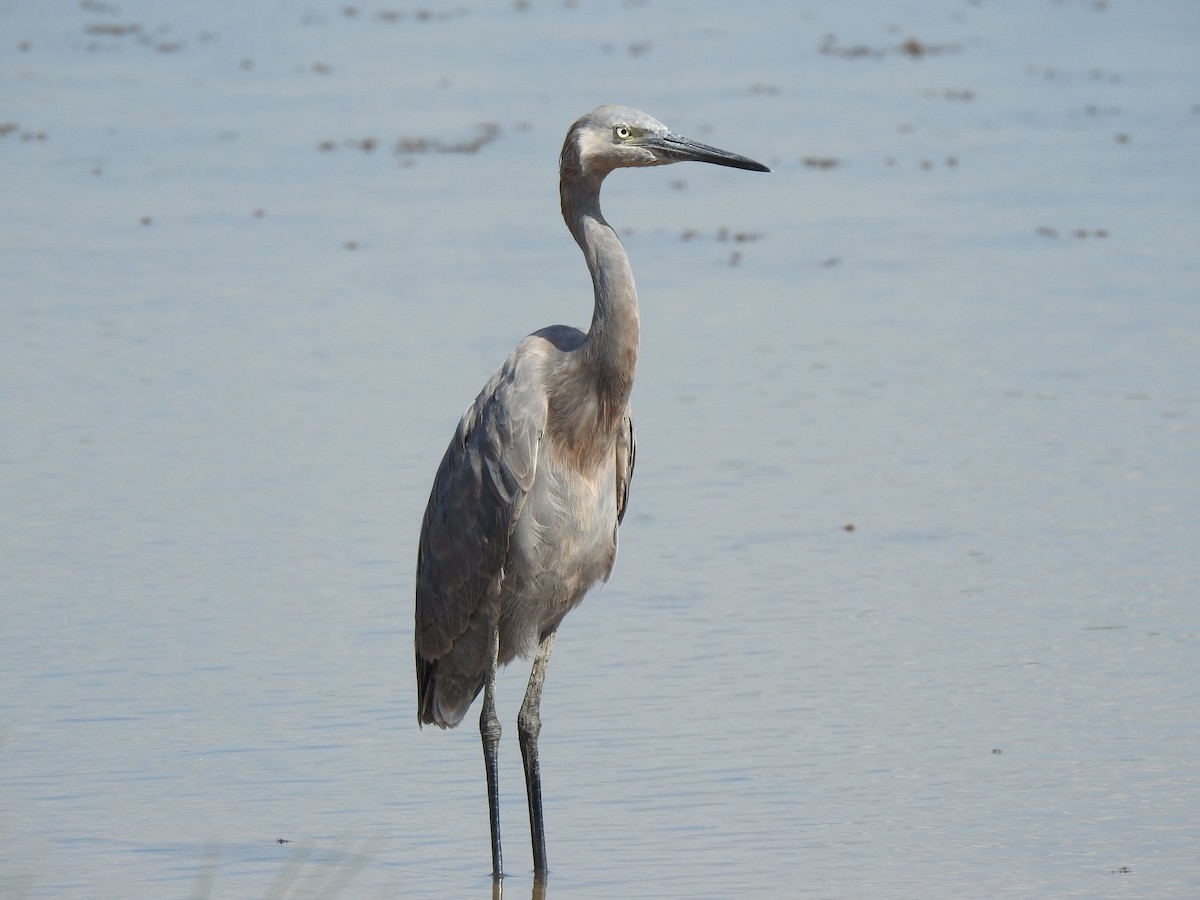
x=677, y=148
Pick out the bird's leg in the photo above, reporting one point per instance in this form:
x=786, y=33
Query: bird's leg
x=529, y=725
x=489, y=729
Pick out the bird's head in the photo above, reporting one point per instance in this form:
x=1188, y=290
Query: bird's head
x=614, y=137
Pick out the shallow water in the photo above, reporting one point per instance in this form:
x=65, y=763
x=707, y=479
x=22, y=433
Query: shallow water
x=906, y=602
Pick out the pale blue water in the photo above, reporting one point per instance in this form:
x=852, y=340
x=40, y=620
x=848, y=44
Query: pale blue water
x=962, y=316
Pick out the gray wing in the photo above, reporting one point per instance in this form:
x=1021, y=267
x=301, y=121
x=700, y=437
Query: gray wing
x=477, y=497
x=626, y=451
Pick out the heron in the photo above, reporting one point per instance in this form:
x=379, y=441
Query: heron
x=522, y=519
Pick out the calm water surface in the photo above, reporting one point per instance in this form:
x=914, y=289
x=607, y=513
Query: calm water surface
x=907, y=597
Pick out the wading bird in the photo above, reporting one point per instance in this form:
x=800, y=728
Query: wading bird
x=522, y=519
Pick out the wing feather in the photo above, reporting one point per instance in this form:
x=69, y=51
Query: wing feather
x=476, y=500
x=626, y=452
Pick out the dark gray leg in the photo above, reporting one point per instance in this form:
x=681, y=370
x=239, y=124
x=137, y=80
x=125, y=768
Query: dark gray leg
x=489, y=729
x=529, y=725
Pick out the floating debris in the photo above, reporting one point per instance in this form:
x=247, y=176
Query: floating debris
x=417, y=15
x=112, y=30
x=911, y=47
x=965, y=95
x=722, y=235
x=486, y=133
x=1049, y=73
x=925, y=164
x=1047, y=231
x=7, y=128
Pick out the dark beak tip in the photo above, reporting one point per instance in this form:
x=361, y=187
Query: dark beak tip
x=753, y=165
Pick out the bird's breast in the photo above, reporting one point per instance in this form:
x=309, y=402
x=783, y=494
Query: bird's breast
x=564, y=542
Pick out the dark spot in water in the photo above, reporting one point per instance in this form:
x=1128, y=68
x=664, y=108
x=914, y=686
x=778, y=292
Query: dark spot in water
x=1080, y=233
x=485, y=133
x=111, y=29
x=911, y=47
x=721, y=235
x=419, y=15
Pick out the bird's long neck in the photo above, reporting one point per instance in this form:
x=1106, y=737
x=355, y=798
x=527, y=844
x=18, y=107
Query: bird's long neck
x=609, y=355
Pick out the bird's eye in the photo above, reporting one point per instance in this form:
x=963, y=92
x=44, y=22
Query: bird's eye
x=623, y=132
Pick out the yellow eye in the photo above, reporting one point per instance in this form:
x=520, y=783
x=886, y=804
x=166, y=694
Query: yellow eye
x=623, y=132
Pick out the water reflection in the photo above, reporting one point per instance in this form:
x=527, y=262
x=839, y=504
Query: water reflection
x=538, y=892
